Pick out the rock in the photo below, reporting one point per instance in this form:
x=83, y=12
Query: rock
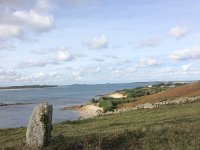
x=145, y=106
x=39, y=129
x=148, y=106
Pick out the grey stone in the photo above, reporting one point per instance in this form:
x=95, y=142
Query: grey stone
x=148, y=106
x=39, y=129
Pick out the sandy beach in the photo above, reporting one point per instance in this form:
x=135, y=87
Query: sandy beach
x=116, y=95
x=87, y=110
x=93, y=110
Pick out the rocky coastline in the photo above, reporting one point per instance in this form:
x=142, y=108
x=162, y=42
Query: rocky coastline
x=13, y=104
x=93, y=110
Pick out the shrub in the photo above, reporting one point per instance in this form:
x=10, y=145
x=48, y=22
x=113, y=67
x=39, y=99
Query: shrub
x=93, y=100
x=106, y=105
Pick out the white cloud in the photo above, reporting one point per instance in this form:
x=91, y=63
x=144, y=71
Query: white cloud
x=99, y=42
x=77, y=75
x=122, y=61
x=39, y=51
x=39, y=76
x=64, y=55
x=35, y=21
x=151, y=42
x=61, y=55
x=92, y=69
x=117, y=72
x=186, y=67
x=187, y=53
x=7, y=31
x=44, y=5
x=176, y=72
x=110, y=56
x=124, y=73
x=178, y=31
x=145, y=62
x=33, y=63
x=17, y=22
x=98, y=59
x=8, y=76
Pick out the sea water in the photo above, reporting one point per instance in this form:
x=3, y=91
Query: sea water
x=61, y=96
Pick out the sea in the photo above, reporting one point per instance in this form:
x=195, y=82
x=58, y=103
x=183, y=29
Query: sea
x=18, y=115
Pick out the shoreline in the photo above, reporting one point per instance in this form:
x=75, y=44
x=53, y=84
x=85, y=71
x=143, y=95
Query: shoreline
x=26, y=87
x=85, y=111
x=91, y=110
x=14, y=104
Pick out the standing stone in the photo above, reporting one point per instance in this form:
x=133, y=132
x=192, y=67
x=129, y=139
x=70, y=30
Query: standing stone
x=38, y=133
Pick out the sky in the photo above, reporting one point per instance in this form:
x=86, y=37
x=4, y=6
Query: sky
x=66, y=42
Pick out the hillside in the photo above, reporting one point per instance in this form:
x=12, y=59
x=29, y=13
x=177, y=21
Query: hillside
x=187, y=90
x=167, y=127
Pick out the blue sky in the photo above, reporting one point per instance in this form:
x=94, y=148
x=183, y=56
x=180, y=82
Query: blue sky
x=92, y=41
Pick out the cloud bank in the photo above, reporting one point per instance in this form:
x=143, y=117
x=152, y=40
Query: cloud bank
x=189, y=53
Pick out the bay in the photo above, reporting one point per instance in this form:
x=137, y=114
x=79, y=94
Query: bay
x=61, y=96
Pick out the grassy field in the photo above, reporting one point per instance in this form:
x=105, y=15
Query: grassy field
x=174, y=127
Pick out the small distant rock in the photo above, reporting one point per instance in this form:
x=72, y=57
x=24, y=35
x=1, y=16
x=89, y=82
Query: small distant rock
x=40, y=126
x=145, y=106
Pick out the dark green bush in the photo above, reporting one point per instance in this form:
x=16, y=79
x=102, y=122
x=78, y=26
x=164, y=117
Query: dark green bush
x=93, y=100
x=106, y=105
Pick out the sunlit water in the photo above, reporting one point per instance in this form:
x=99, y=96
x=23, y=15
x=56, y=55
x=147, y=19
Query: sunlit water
x=15, y=116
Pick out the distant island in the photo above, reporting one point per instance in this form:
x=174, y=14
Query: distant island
x=26, y=87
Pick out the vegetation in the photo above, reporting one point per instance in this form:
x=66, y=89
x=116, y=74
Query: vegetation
x=45, y=120
x=186, y=90
x=142, y=91
x=109, y=104
x=93, y=100
x=106, y=105
x=167, y=127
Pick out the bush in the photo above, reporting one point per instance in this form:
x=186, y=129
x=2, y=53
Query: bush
x=93, y=100
x=106, y=105
x=109, y=104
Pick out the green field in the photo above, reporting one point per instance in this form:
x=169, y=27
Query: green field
x=167, y=127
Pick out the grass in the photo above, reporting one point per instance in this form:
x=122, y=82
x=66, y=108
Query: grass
x=168, y=127
x=143, y=91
